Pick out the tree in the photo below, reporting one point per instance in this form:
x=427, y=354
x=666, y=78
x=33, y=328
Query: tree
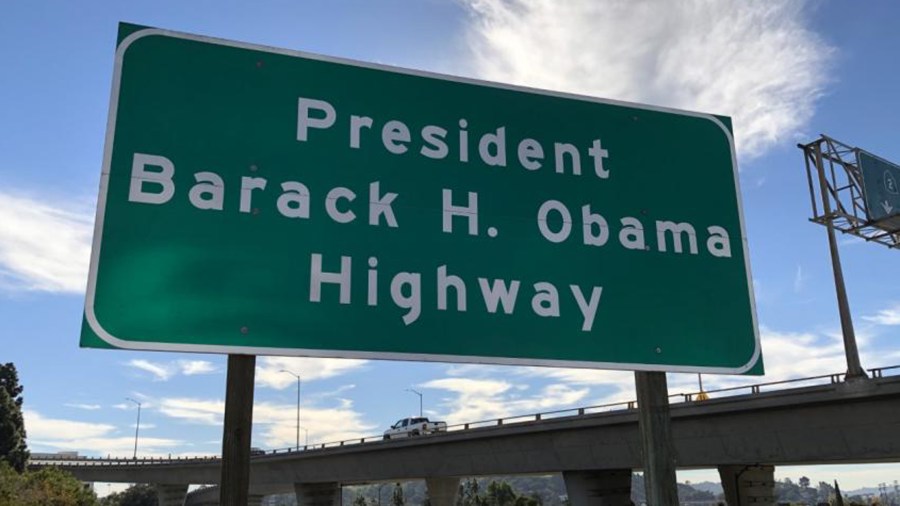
x=40, y=488
x=12, y=426
x=825, y=492
x=500, y=493
x=140, y=494
x=530, y=500
x=469, y=494
x=360, y=500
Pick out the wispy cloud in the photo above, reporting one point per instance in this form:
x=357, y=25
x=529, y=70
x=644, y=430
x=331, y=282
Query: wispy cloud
x=473, y=400
x=159, y=371
x=268, y=370
x=277, y=423
x=89, y=438
x=754, y=61
x=799, y=279
x=43, y=247
x=163, y=371
x=89, y=407
x=278, y=427
x=202, y=411
x=887, y=316
x=194, y=367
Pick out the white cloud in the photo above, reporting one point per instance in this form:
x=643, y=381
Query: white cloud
x=163, y=371
x=268, y=370
x=278, y=424
x=192, y=367
x=39, y=427
x=44, y=247
x=89, y=407
x=202, y=411
x=887, y=316
x=754, y=61
x=473, y=387
x=488, y=399
x=89, y=438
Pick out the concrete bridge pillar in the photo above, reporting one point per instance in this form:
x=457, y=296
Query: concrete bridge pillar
x=171, y=495
x=442, y=491
x=748, y=485
x=318, y=494
x=599, y=488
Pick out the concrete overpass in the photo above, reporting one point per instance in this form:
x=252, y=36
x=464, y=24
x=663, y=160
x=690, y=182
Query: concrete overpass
x=840, y=422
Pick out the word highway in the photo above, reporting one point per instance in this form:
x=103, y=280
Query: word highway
x=406, y=291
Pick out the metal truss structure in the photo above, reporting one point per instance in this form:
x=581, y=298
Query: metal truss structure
x=837, y=193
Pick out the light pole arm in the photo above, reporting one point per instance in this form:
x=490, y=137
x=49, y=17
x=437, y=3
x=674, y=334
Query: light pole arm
x=420, y=398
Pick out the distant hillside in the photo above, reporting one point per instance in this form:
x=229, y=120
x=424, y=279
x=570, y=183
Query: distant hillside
x=862, y=491
x=708, y=486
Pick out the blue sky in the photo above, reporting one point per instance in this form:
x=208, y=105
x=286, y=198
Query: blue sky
x=785, y=72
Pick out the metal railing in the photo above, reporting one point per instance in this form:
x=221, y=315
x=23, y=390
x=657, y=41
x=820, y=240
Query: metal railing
x=614, y=407
x=117, y=461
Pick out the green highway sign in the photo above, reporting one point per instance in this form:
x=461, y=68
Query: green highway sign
x=264, y=201
x=881, y=185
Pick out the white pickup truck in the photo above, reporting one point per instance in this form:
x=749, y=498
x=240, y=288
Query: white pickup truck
x=418, y=426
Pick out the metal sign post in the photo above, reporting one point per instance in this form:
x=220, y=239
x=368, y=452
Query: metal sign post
x=656, y=438
x=854, y=367
x=238, y=424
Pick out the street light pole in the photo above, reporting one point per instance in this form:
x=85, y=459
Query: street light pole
x=420, y=398
x=137, y=426
x=306, y=441
x=298, y=405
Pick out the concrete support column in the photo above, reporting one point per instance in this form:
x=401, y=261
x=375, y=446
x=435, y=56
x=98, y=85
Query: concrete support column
x=171, y=495
x=442, y=491
x=318, y=494
x=610, y=487
x=748, y=485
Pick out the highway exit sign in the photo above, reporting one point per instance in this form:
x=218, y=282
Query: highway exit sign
x=264, y=201
x=881, y=182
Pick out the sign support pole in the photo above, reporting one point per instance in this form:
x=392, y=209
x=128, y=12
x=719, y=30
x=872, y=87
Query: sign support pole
x=656, y=438
x=854, y=368
x=235, y=478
